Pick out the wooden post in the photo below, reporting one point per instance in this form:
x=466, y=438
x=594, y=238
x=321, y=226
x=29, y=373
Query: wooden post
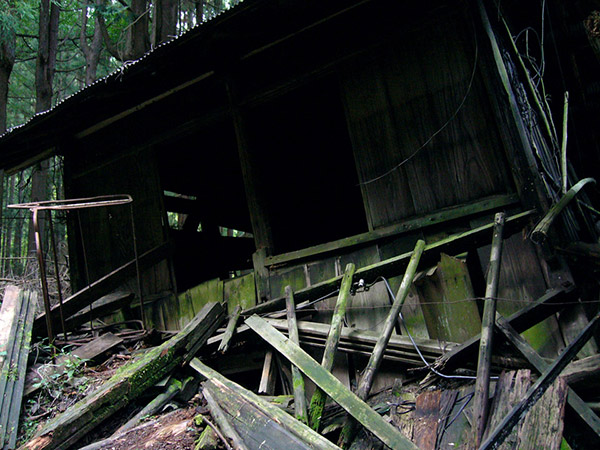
x=563, y=147
x=482, y=384
x=297, y=380
x=366, y=381
x=268, y=377
x=317, y=402
x=226, y=339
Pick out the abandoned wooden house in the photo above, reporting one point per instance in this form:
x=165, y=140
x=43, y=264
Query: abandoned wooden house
x=307, y=149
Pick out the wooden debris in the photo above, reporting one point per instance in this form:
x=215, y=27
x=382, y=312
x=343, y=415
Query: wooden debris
x=297, y=380
x=222, y=421
x=583, y=374
x=16, y=317
x=128, y=383
x=331, y=386
x=268, y=377
x=317, y=402
x=366, y=381
x=230, y=330
x=86, y=352
x=537, y=390
x=484, y=362
x=276, y=415
x=101, y=307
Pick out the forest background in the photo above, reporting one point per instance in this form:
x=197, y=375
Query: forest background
x=49, y=50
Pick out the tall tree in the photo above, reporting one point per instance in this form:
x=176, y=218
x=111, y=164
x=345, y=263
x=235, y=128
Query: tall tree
x=136, y=36
x=7, y=55
x=165, y=21
x=91, y=51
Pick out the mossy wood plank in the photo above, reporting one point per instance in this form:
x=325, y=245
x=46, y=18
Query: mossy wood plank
x=129, y=382
x=455, y=244
x=101, y=307
x=220, y=416
x=332, y=387
x=297, y=380
x=240, y=291
x=278, y=415
x=230, y=330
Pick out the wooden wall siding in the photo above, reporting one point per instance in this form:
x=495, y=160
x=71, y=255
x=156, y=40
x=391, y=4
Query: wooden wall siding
x=396, y=98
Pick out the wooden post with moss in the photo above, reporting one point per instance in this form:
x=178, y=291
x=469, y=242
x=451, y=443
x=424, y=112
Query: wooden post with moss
x=317, y=402
x=230, y=330
x=366, y=381
x=297, y=380
x=482, y=384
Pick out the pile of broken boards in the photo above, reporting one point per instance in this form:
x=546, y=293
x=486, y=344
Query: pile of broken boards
x=217, y=371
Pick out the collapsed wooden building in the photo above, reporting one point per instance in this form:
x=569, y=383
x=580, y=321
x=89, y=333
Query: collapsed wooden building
x=308, y=149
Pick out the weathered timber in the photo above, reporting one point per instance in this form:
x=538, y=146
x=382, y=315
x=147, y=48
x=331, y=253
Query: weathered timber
x=548, y=304
x=399, y=348
x=540, y=232
x=441, y=216
x=484, y=362
x=427, y=419
x=586, y=423
x=395, y=266
x=537, y=390
x=290, y=423
x=297, y=380
x=230, y=330
x=366, y=381
x=317, y=402
x=86, y=352
x=268, y=376
x=389, y=435
x=583, y=374
x=101, y=307
x=129, y=382
x=20, y=311
x=103, y=286
x=221, y=419
x=209, y=439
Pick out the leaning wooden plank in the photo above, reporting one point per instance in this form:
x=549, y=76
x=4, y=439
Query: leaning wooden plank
x=548, y=304
x=219, y=416
x=103, y=286
x=297, y=380
x=586, y=427
x=389, y=435
x=455, y=244
x=366, y=381
x=12, y=376
x=128, y=383
x=317, y=402
x=289, y=422
x=230, y=330
x=484, y=362
x=101, y=307
x=537, y=390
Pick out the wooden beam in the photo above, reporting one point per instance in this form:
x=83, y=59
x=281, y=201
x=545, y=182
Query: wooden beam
x=587, y=422
x=101, y=307
x=221, y=419
x=386, y=432
x=500, y=433
x=435, y=218
x=103, y=286
x=317, y=402
x=455, y=244
x=268, y=377
x=230, y=330
x=295, y=426
x=297, y=380
x=484, y=362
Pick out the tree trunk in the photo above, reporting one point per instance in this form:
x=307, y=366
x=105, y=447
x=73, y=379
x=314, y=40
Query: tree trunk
x=138, y=41
x=7, y=62
x=200, y=11
x=91, y=52
x=165, y=21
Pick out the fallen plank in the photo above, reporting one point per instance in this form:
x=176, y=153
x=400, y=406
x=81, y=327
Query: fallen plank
x=101, y=287
x=101, y=307
x=18, y=307
x=455, y=244
x=288, y=421
x=230, y=330
x=585, y=421
x=220, y=417
x=81, y=354
x=537, y=390
x=389, y=435
x=128, y=383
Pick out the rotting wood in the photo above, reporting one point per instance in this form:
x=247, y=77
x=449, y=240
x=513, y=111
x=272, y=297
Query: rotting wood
x=101, y=307
x=583, y=373
x=230, y=330
x=389, y=435
x=549, y=303
x=288, y=421
x=297, y=380
x=129, y=382
x=86, y=352
x=268, y=377
x=441, y=216
x=366, y=381
x=585, y=420
x=19, y=308
x=399, y=348
x=219, y=416
x=484, y=362
x=540, y=232
x=392, y=267
x=103, y=286
x=317, y=402
x=537, y=390
x=427, y=419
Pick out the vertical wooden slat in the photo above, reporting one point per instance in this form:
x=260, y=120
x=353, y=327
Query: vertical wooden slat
x=297, y=380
